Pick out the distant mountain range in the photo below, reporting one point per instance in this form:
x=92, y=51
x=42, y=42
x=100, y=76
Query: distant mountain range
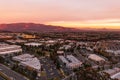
x=32, y=27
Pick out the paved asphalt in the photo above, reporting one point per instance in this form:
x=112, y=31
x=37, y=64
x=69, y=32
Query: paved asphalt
x=1, y=78
x=50, y=68
x=13, y=75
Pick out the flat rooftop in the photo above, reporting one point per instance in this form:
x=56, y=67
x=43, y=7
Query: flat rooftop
x=28, y=60
x=116, y=76
x=23, y=57
x=70, y=60
x=95, y=57
x=8, y=49
x=33, y=44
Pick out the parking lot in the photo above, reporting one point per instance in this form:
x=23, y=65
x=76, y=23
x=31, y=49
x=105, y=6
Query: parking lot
x=49, y=67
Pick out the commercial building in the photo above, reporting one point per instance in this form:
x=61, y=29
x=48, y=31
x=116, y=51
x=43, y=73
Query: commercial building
x=116, y=52
x=6, y=49
x=16, y=41
x=23, y=57
x=114, y=73
x=28, y=61
x=33, y=44
x=70, y=61
x=5, y=37
x=66, y=47
x=116, y=76
x=113, y=47
x=51, y=41
x=60, y=52
x=96, y=58
x=28, y=36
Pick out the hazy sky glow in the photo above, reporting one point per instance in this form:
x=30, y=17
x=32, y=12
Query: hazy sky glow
x=68, y=13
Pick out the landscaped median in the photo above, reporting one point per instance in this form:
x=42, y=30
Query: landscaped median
x=4, y=76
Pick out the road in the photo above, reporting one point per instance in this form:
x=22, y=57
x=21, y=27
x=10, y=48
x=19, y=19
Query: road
x=10, y=73
x=78, y=55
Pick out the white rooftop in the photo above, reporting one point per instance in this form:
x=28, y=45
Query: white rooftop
x=50, y=41
x=71, y=61
x=8, y=49
x=60, y=52
x=9, y=46
x=32, y=62
x=23, y=57
x=28, y=60
x=33, y=44
x=63, y=59
x=116, y=76
x=96, y=57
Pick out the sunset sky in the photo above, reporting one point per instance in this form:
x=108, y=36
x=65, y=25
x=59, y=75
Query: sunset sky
x=68, y=13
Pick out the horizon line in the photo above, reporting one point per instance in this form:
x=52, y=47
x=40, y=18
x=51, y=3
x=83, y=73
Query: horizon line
x=83, y=28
